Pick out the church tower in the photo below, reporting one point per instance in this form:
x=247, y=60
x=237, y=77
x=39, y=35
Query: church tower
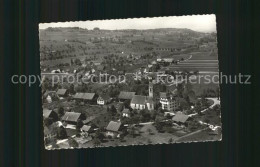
x=151, y=89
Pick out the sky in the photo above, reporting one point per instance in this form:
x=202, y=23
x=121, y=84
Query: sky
x=201, y=23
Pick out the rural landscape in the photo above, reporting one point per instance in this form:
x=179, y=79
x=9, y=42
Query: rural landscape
x=128, y=86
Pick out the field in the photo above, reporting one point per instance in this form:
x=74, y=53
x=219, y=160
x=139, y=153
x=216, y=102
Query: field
x=201, y=136
x=144, y=136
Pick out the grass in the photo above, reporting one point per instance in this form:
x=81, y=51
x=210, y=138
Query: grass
x=201, y=136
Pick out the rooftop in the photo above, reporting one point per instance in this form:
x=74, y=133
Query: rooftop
x=126, y=95
x=46, y=113
x=71, y=116
x=179, y=117
x=113, y=126
x=61, y=91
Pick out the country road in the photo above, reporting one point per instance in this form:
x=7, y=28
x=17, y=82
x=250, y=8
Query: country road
x=215, y=100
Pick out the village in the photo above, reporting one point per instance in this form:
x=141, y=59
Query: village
x=125, y=98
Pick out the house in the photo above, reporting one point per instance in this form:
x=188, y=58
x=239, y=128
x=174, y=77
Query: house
x=62, y=92
x=180, y=118
x=125, y=96
x=50, y=96
x=50, y=114
x=126, y=112
x=86, y=128
x=140, y=102
x=72, y=117
x=103, y=99
x=113, y=129
x=90, y=98
x=49, y=134
x=169, y=101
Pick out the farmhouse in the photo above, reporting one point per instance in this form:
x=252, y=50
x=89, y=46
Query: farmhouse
x=86, y=128
x=62, y=92
x=180, y=118
x=113, y=129
x=72, y=117
x=125, y=96
x=103, y=99
x=90, y=98
x=126, y=112
x=50, y=114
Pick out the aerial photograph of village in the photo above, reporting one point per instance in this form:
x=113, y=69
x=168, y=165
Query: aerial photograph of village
x=130, y=82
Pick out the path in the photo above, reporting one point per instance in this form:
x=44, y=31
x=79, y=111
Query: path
x=190, y=134
x=215, y=100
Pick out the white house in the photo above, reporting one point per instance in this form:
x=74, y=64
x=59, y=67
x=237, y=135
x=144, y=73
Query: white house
x=168, y=102
x=126, y=113
x=103, y=99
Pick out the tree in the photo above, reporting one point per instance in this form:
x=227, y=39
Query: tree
x=180, y=89
x=149, y=131
x=197, y=107
x=77, y=62
x=61, y=111
x=73, y=143
x=97, y=142
x=218, y=92
x=184, y=105
x=71, y=89
x=61, y=134
x=100, y=135
x=79, y=124
x=113, y=110
x=216, y=108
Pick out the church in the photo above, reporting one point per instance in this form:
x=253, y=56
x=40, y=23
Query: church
x=140, y=102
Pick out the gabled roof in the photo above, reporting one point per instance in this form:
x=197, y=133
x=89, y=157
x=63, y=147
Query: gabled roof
x=180, y=118
x=126, y=110
x=71, y=116
x=138, y=99
x=88, y=96
x=113, y=126
x=46, y=113
x=149, y=99
x=85, y=128
x=78, y=96
x=85, y=96
x=126, y=95
x=61, y=91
